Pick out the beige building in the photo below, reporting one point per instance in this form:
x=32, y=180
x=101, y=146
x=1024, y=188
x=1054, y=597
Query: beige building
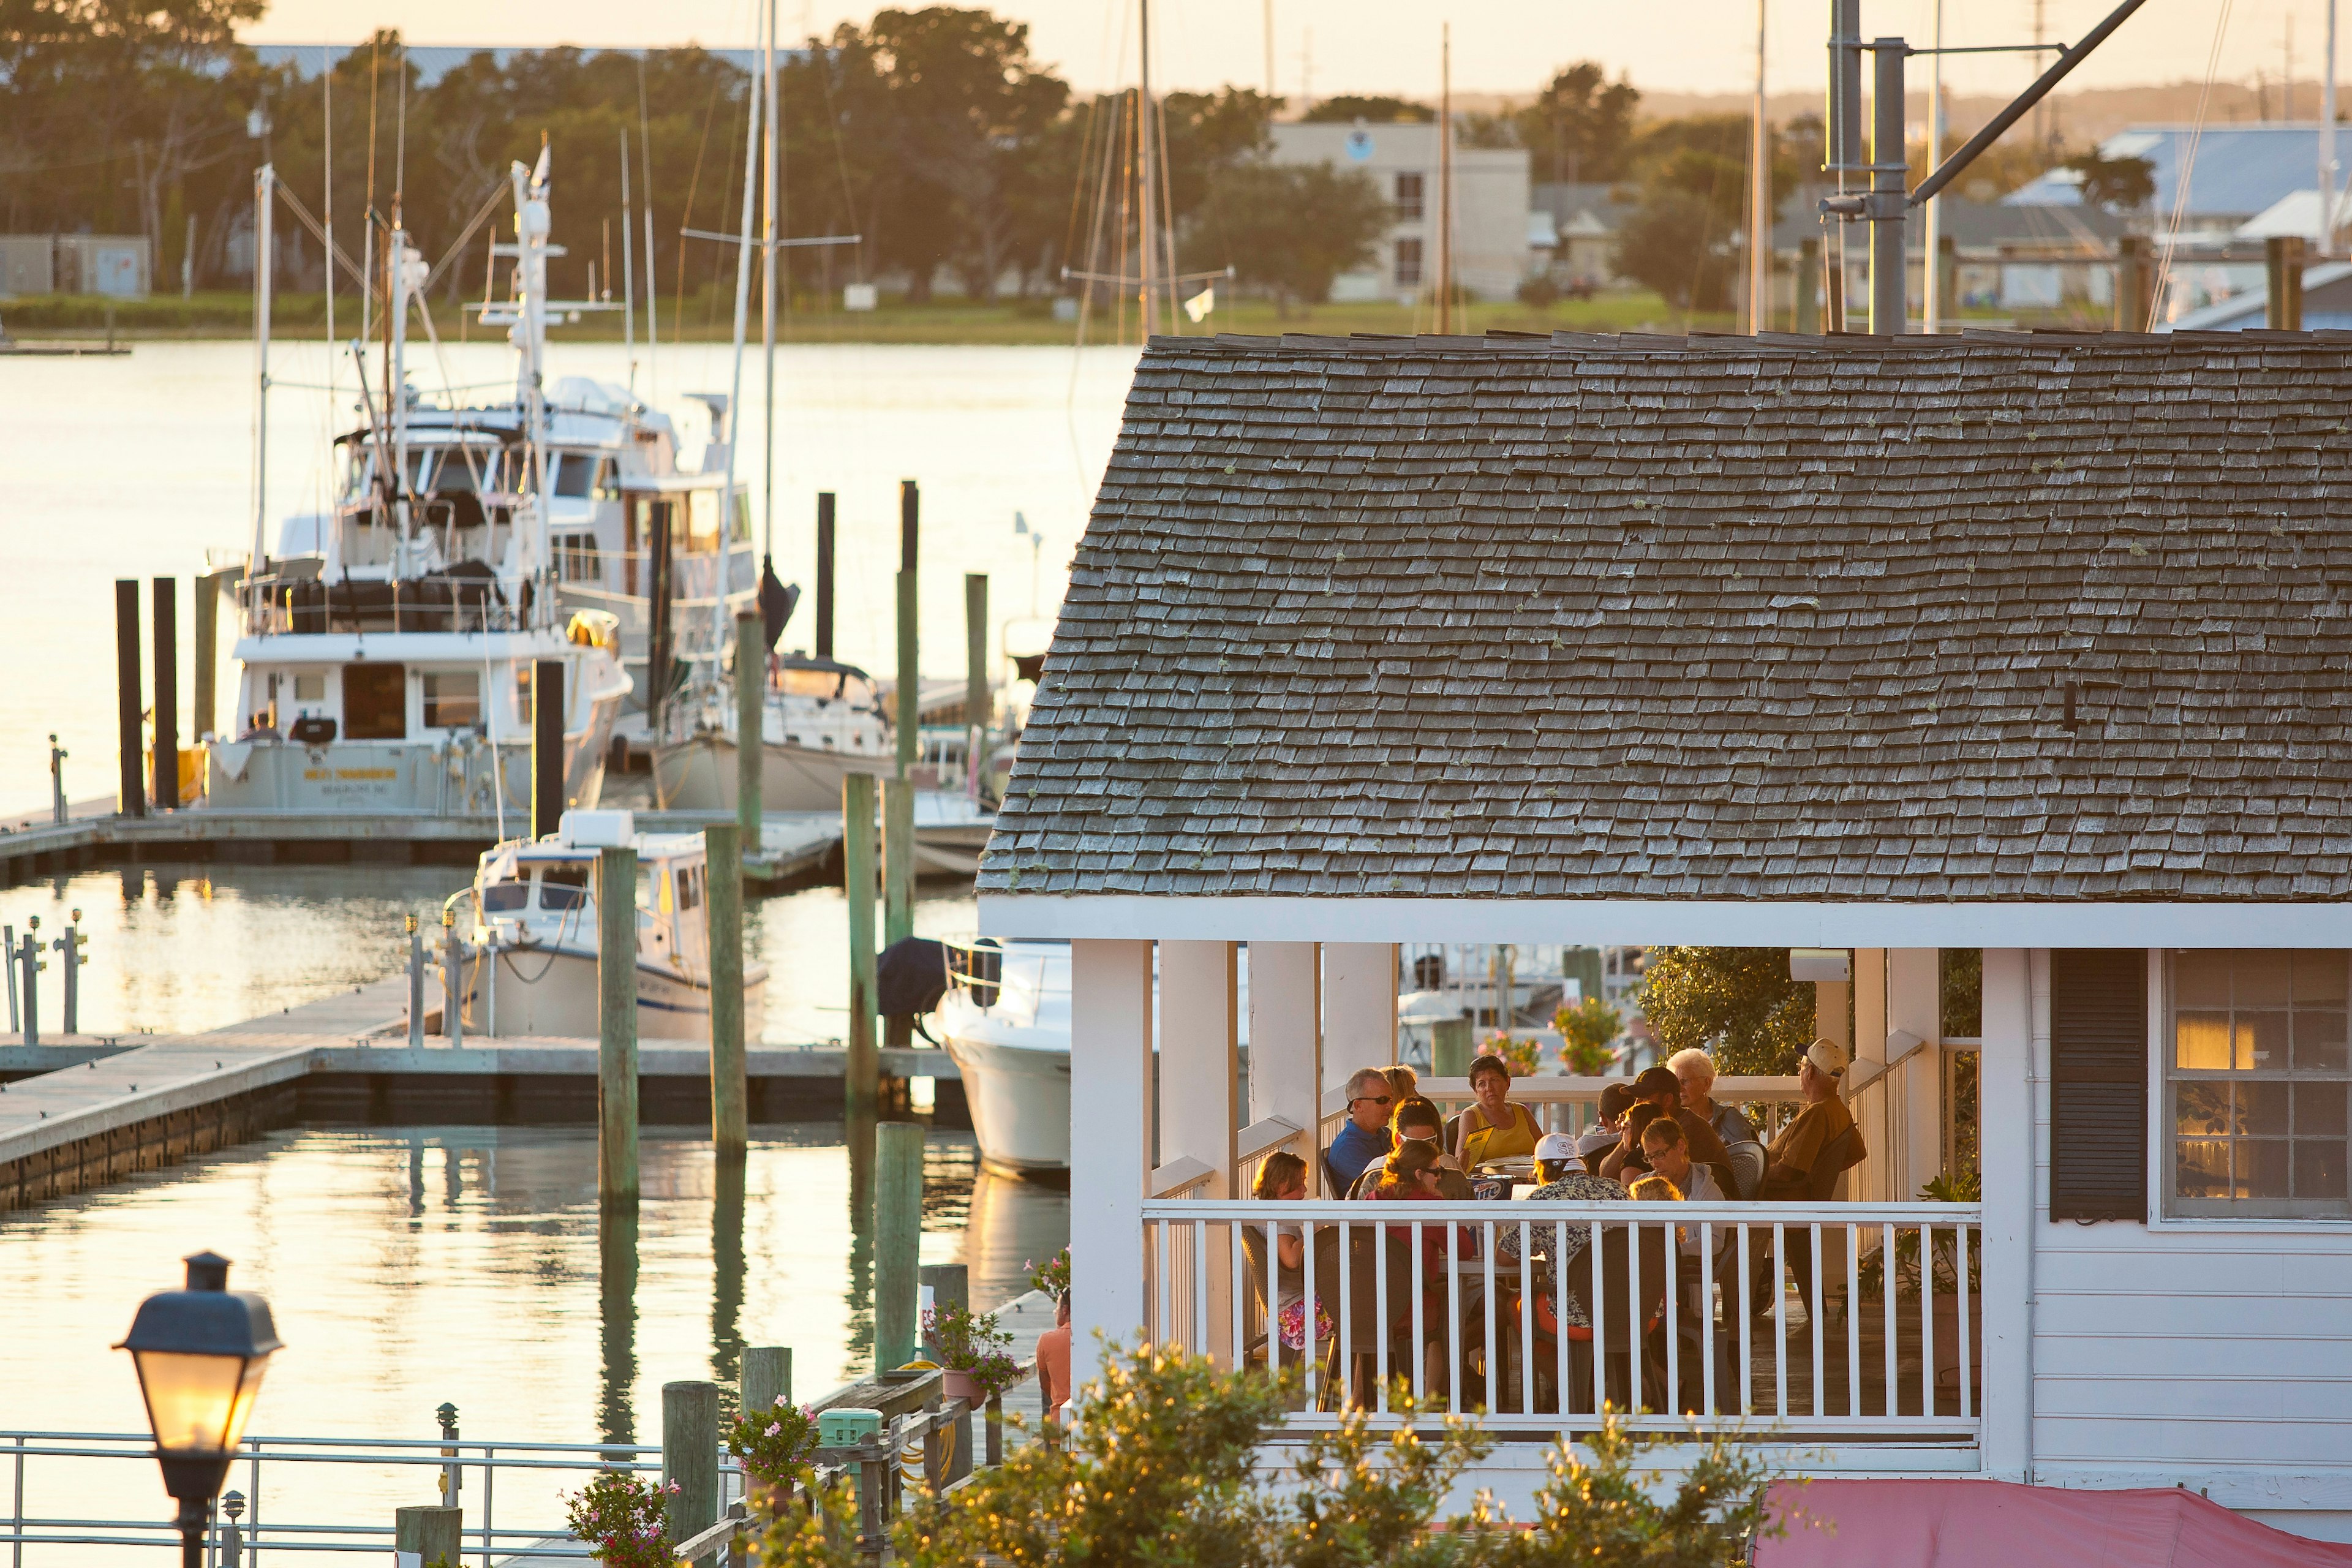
x=1490, y=207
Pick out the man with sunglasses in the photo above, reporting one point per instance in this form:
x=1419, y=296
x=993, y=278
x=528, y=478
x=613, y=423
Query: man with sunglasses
x=1365, y=1136
x=1419, y=1120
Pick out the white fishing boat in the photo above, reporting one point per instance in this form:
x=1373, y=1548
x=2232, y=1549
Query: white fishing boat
x=530, y=959
x=821, y=721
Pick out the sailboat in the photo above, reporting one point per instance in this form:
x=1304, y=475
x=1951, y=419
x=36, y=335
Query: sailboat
x=388, y=646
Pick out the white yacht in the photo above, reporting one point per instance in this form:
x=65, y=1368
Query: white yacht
x=1006, y=1019
x=530, y=951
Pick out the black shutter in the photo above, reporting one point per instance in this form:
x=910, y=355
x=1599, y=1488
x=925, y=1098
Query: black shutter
x=2098, y=1084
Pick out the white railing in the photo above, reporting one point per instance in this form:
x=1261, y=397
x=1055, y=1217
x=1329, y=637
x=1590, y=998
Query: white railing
x=1676, y=1312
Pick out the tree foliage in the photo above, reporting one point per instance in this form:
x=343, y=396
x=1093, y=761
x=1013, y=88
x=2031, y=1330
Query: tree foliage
x=1684, y=237
x=2118, y=184
x=1737, y=1002
x=1580, y=126
x=1377, y=109
x=1289, y=229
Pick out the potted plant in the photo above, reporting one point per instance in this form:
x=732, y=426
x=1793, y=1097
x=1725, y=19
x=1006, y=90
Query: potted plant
x=621, y=1516
x=975, y=1354
x=1519, y=1056
x=774, y=1444
x=1587, y=1034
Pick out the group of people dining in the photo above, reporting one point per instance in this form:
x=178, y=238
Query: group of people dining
x=1660, y=1137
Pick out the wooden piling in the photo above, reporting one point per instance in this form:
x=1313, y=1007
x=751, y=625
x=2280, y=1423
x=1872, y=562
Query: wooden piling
x=434, y=1532
x=862, y=1078
x=751, y=732
x=616, y=1026
x=690, y=1459
x=729, y=1091
x=951, y=1286
x=824, y=574
x=898, y=860
x=1809, y=287
x=131, y=798
x=204, y=719
x=547, y=798
x=2283, y=278
x=1449, y=1047
x=979, y=705
x=897, y=1240
x=767, y=1377
x=165, y=794
x=911, y=698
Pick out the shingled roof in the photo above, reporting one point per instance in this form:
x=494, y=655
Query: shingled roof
x=1742, y=618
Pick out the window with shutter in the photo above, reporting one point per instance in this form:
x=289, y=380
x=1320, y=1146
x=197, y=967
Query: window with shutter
x=2098, y=1084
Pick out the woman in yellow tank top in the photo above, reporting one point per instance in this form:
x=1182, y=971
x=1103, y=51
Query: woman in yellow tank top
x=1493, y=1128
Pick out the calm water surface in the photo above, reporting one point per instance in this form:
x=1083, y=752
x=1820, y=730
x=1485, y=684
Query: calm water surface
x=133, y=467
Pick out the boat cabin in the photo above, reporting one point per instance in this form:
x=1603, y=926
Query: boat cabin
x=541, y=894
x=2028, y=648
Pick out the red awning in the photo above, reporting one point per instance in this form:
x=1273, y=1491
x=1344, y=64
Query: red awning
x=1967, y=1524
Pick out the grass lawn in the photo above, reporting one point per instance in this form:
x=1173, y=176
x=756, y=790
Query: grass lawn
x=708, y=318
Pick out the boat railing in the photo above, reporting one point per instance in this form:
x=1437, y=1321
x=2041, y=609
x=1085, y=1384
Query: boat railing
x=1813, y=1321
x=976, y=968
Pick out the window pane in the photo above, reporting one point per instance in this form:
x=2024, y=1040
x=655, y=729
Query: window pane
x=2319, y=1168
x=2319, y=1110
x=502, y=896
x=2201, y=980
x=2319, y=977
x=2262, y=1168
x=2262, y=1108
x=2203, y=1168
x=2319, y=1042
x=2261, y=1041
x=2261, y=979
x=2203, y=1041
x=2203, y=1108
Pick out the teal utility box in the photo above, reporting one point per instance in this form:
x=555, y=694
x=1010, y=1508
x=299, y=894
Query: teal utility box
x=840, y=1428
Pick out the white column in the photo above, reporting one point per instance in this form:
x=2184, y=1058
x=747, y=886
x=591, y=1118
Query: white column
x=1286, y=1041
x=1915, y=1004
x=1200, y=1058
x=1110, y=1142
x=2005, y=1154
x=1869, y=1179
x=1360, y=1008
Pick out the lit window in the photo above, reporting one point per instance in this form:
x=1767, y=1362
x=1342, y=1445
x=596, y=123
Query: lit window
x=2258, y=1083
x=453, y=698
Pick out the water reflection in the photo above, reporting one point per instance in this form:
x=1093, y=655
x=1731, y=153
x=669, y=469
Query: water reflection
x=728, y=1176
x=617, y=1321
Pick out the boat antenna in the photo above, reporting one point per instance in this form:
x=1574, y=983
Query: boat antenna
x=645, y=162
x=1145, y=239
x=263, y=180
x=327, y=195
x=735, y=397
x=628, y=269
x=767, y=312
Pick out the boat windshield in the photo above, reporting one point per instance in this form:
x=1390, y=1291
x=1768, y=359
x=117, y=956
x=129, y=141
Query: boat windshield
x=499, y=897
x=563, y=887
x=825, y=683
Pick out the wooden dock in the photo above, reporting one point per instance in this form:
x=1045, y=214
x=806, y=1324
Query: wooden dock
x=793, y=844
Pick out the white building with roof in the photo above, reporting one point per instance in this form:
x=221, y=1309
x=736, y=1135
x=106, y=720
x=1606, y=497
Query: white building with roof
x=1490, y=207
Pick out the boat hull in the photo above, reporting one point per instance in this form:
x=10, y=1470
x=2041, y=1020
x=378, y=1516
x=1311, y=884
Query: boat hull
x=699, y=775
x=1019, y=1098
x=552, y=992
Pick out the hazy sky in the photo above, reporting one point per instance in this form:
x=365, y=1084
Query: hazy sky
x=1367, y=46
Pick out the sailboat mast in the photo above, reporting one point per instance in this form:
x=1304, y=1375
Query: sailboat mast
x=1445, y=178
x=718, y=612
x=1148, y=163
x=768, y=304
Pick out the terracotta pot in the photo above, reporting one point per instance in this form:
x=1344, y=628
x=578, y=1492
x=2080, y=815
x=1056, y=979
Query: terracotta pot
x=961, y=1385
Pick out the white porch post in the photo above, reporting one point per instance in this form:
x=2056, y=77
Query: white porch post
x=1869, y=1179
x=1286, y=1042
x=1915, y=1004
x=2005, y=1152
x=1110, y=1143
x=1200, y=1058
x=1360, y=1008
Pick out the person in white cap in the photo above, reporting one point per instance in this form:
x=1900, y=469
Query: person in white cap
x=1788, y=1162
x=1565, y=1180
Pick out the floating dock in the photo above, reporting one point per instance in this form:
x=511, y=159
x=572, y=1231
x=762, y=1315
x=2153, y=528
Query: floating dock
x=91, y=1109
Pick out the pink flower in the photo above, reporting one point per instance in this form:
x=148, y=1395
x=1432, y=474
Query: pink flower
x=775, y=1428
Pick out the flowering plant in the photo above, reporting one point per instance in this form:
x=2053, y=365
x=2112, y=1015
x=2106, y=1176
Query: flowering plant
x=972, y=1344
x=1053, y=1276
x=1587, y=1032
x=775, y=1443
x=1292, y=1322
x=1519, y=1056
x=620, y=1515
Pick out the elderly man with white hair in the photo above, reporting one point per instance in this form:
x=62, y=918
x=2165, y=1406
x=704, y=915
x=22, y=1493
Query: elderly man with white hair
x=1364, y=1137
x=1694, y=1071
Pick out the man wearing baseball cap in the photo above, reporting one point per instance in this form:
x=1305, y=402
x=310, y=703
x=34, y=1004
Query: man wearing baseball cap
x=1657, y=1086
x=1788, y=1162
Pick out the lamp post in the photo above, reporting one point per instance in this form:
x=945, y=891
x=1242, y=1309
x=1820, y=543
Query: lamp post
x=200, y=1352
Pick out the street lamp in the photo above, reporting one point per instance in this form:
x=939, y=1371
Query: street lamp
x=200, y=1354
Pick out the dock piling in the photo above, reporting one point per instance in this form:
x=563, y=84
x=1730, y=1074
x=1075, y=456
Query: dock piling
x=690, y=1457
x=453, y=981
x=68, y=947
x=979, y=706
x=729, y=1090
x=167, y=696
x=57, y=780
x=616, y=1028
x=862, y=1081
x=415, y=986
x=897, y=1240
x=9, y=963
x=1449, y=1047
x=910, y=697
x=131, y=798
x=767, y=1377
x=429, y=1532
x=546, y=746
x=29, y=955
x=824, y=574
x=897, y=880
x=750, y=732
x=951, y=1286
x=205, y=597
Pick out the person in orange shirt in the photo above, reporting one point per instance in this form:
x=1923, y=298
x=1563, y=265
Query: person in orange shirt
x=1053, y=1360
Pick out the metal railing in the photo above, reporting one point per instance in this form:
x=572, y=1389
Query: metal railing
x=1533, y=1315
x=264, y=1471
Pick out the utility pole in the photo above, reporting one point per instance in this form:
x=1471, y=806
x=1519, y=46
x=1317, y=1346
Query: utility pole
x=1146, y=157
x=1760, y=201
x=2042, y=111
x=1932, y=305
x=1269, y=54
x=2329, y=179
x=1445, y=178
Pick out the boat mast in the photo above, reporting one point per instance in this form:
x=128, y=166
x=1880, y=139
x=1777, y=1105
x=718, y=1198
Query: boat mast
x=532, y=226
x=768, y=307
x=265, y=180
x=1145, y=159
x=718, y=612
